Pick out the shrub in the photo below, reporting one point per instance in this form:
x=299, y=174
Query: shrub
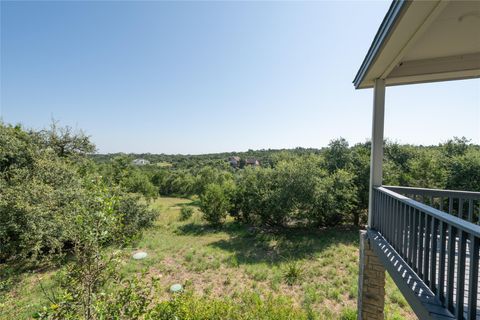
x=214, y=204
x=247, y=306
x=138, y=182
x=40, y=192
x=296, y=191
x=334, y=200
x=134, y=298
x=134, y=215
x=48, y=191
x=186, y=213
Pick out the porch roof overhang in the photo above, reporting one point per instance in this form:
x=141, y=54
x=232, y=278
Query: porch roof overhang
x=424, y=41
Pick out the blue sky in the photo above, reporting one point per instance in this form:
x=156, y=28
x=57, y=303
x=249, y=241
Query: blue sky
x=198, y=77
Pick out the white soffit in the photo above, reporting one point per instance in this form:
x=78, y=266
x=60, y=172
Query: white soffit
x=431, y=41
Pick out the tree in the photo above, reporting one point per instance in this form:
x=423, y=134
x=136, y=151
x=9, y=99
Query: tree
x=214, y=204
x=337, y=155
x=65, y=141
x=335, y=199
x=138, y=182
x=43, y=194
x=361, y=179
x=464, y=171
x=456, y=146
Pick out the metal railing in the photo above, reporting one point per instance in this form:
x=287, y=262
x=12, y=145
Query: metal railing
x=442, y=249
x=463, y=204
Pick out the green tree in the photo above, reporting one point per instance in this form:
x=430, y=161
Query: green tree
x=456, y=146
x=65, y=141
x=337, y=155
x=214, y=204
x=464, y=171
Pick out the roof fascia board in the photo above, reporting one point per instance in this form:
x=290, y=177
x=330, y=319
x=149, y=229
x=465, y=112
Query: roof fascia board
x=394, y=12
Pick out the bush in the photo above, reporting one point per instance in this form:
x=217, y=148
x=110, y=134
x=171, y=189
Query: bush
x=134, y=215
x=247, y=306
x=40, y=192
x=137, y=182
x=47, y=192
x=296, y=191
x=186, y=213
x=134, y=299
x=214, y=204
x=334, y=200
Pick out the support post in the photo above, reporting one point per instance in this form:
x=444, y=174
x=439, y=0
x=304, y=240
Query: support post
x=376, y=157
x=371, y=277
x=371, y=282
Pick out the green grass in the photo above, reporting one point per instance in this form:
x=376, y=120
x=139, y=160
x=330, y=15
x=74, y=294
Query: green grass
x=317, y=270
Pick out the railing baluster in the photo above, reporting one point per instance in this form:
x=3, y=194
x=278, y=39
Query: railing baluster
x=410, y=236
x=478, y=216
x=391, y=220
x=470, y=210
x=390, y=215
x=405, y=230
x=385, y=216
x=433, y=256
x=460, y=208
x=450, y=267
x=421, y=246
x=426, y=249
x=414, y=240
x=462, y=253
x=450, y=205
x=441, y=262
x=473, y=278
x=441, y=203
x=378, y=209
x=397, y=226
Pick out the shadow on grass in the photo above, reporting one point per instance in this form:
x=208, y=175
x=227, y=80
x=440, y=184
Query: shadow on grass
x=252, y=245
x=200, y=229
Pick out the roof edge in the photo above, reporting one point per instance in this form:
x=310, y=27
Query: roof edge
x=397, y=8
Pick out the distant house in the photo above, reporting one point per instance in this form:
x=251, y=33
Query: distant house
x=252, y=162
x=234, y=161
x=140, y=162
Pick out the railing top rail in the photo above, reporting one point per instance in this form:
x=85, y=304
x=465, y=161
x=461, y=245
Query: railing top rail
x=440, y=215
x=436, y=192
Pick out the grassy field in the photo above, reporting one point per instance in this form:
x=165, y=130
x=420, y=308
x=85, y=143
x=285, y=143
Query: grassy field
x=316, y=270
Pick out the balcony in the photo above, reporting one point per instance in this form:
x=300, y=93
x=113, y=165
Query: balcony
x=429, y=240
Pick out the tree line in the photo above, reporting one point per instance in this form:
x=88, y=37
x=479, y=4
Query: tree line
x=310, y=187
